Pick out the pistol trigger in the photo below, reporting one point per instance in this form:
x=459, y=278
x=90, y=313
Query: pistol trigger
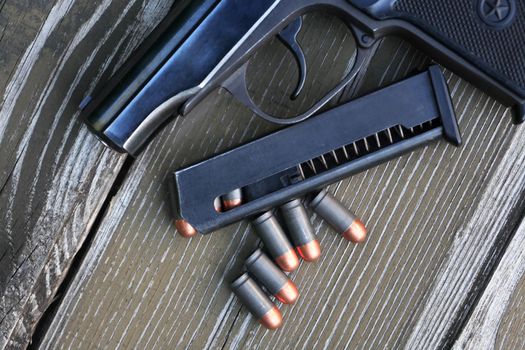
x=236, y=85
x=288, y=37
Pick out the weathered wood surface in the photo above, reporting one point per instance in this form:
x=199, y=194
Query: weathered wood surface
x=54, y=175
x=476, y=248
x=498, y=321
x=438, y=219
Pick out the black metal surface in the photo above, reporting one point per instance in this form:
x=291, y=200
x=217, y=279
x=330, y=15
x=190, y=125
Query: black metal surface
x=156, y=87
x=289, y=37
x=489, y=33
x=213, y=47
x=465, y=36
x=422, y=99
x=101, y=109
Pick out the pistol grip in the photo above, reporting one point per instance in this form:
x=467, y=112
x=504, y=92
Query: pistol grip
x=490, y=34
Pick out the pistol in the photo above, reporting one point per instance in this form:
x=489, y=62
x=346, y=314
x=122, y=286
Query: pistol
x=206, y=44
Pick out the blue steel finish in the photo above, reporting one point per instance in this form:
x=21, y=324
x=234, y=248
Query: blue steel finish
x=190, y=63
x=179, y=26
x=146, y=99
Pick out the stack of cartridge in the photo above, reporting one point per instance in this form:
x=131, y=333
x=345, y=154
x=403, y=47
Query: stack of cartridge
x=263, y=277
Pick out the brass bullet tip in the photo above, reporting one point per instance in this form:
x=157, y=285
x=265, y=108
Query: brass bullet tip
x=310, y=251
x=356, y=233
x=288, y=293
x=184, y=228
x=232, y=199
x=273, y=319
x=230, y=204
x=288, y=261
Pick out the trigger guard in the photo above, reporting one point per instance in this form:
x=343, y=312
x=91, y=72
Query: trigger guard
x=236, y=85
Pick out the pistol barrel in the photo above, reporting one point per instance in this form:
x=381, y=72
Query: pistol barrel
x=147, y=92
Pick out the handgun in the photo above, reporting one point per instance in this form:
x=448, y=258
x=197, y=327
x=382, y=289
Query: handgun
x=206, y=44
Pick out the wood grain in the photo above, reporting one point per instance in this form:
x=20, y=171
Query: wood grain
x=498, y=321
x=54, y=175
x=141, y=285
x=475, y=250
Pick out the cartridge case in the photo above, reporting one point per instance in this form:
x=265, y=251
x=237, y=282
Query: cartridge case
x=232, y=199
x=300, y=230
x=257, y=302
x=275, y=241
x=339, y=217
x=271, y=277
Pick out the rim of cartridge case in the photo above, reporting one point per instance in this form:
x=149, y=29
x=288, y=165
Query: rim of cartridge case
x=239, y=281
x=253, y=257
x=263, y=217
x=291, y=204
x=318, y=198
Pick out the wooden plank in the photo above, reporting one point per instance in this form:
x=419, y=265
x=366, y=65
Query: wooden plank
x=498, y=321
x=141, y=285
x=476, y=248
x=54, y=174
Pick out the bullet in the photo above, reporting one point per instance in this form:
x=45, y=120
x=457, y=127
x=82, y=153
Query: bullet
x=184, y=228
x=340, y=218
x=257, y=302
x=232, y=199
x=275, y=240
x=269, y=275
x=300, y=230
